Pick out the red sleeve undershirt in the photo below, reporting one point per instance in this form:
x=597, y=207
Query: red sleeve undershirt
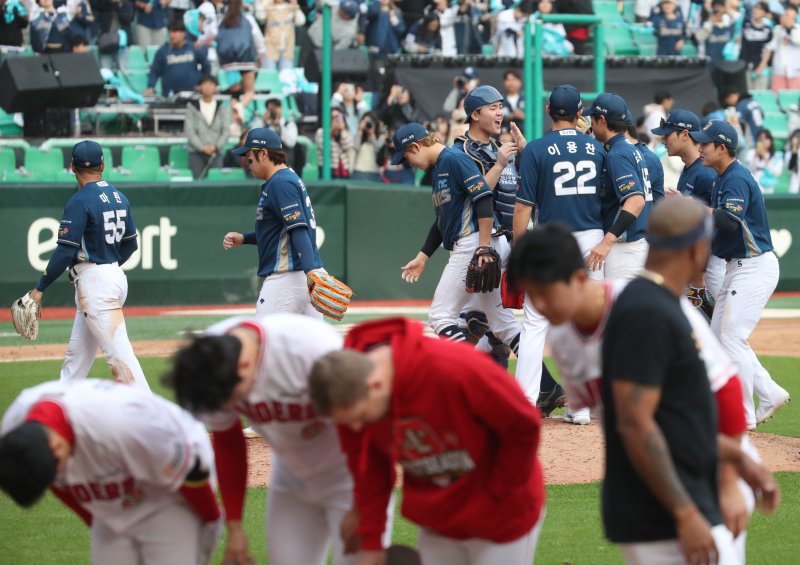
x=730, y=409
x=230, y=451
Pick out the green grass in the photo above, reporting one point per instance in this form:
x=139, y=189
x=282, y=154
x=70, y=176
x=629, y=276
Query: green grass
x=784, y=302
x=786, y=372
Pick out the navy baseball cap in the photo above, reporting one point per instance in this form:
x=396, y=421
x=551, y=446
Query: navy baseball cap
x=717, y=131
x=259, y=138
x=678, y=120
x=349, y=7
x=565, y=100
x=610, y=106
x=404, y=137
x=471, y=72
x=87, y=154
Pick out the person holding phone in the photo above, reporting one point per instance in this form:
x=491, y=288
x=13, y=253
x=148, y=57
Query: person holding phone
x=341, y=146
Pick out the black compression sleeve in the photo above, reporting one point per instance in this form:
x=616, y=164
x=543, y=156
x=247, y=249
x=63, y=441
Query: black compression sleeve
x=622, y=223
x=723, y=221
x=59, y=262
x=433, y=241
x=484, y=208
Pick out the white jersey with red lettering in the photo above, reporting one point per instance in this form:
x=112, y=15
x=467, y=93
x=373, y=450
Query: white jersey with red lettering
x=278, y=406
x=132, y=449
x=580, y=362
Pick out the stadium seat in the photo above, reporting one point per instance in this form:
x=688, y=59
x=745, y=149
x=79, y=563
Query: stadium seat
x=269, y=81
x=18, y=177
x=8, y=161
x=230, y=175
x=645, y=39
x=310, y=172
x=689, y=49
x=178, y=157
x=311, y=151
x=8, y=127
x=43, y=165
x=137, y=80
x=767, y=100
x=783, y=183
x=609, y=11
x=151, y=52
x=141, y=161
x=788, y=98
x=619, y=42
x=778, y=125
x=136, y=59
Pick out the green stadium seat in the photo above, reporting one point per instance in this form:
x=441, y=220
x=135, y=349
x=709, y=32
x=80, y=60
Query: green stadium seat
x=139, y=175
x=783, y=183
x=178, y=157
x=310, y=172
x=230, y=175
x=689, y=49
x=311, y=151
x=43, y=165
x=151, y=52
x=609, y=11
x=269, y=81
x=141, y=160
x=18, y=177
x=778, y=125
x=788, y=98
x=136, y=59
x=137, y=80
x=767, y=100
x=619, y=42
x=645, y=39
x=8, y=161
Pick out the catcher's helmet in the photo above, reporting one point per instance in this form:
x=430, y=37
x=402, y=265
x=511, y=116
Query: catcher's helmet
x=479, y=97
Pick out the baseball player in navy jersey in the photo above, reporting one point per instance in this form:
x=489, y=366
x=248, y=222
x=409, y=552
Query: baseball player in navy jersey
x=96, y=236
x=138, y=470
x=629, y=197
x=464, y=221
x=655, y=169
x=744, y=242
x=561, y=175
x=258, y=367
x=285, y=228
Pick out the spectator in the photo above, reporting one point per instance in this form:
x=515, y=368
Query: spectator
x=79, y=44
x=208, y=25
x=554, y=40
x=346, y=98
x=509, y=34
x=82, y=21
x=206, y=129
x=14, y=20
x=469, y=26
x=447, y=15
x=578, y=35
x=341, y=146
x=670, y=29
x=281, y=19
x=785, y=51
x=441, y=127
x=151, y=22
x=765, y=162
x=239, y=44
x=177, y=63
x=394, y=174
x=748, y=110
x=398, y=108
x=276, y=120
x=384, y=29
x=462, y=84
x=793, y=162
x=50, y=29
x=113, y=19
x=344, y=26
x=716, y=32
x=514, y=100
x=756, y=35
x=176, y=9
x=424, y=36
x=657, y=111
x=644, y=9
x=368, y=144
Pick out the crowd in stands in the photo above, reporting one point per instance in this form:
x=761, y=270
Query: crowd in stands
x=200, y=44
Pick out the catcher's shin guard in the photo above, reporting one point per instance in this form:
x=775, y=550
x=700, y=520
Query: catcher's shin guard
x=500, y=351
x=477, y=324
x=453, y=333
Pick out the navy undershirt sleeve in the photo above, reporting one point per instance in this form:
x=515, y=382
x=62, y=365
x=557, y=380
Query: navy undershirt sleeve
x=302, y=244
x=250, y=238
x=61, y=260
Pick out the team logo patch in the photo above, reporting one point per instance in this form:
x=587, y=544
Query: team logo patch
x=63, y=231
x=735, y=208
x=292, y=217
x=259, y=214
x=476, y=187
x=627, y=186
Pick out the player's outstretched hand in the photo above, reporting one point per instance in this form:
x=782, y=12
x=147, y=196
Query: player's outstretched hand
x=232, y=239
x=694, y=535
x=761, y=480
x=236, y=550
x=597, y=256
x=347, y=531
x=371, y=558
x=517, y=136
x=504, y=154
x=733, y=506
x=669, y=192
x=412, y=271
x=36, y=295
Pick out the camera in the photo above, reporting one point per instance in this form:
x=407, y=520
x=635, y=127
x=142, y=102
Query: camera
x=461, y=82
x=369, y=125
x=273, y=115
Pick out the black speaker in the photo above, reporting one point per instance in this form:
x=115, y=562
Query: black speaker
x=730, y=75
x=60, y=80
x=351, y=65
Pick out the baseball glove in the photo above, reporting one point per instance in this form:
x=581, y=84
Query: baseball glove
x=328, y=295
x=703, y=300
x=484, y=278
x=25, y=313
x=510, y=295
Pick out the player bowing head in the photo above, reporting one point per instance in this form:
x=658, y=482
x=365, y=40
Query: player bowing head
x=416, y=146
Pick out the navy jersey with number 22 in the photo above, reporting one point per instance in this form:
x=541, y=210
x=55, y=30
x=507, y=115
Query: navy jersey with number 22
x=561, y=175
x=96, y=219
x=457, y=184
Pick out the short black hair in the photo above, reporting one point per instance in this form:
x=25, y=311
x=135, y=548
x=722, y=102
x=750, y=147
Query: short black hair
x=617, y=126
x=208, y=78
x=78, y=40
x=204, y=374
x=28, y=465
x=547, y=254
x=631, y=130
x=512, y=72
x=661, y=95
x=176, y=25
x=563, y=117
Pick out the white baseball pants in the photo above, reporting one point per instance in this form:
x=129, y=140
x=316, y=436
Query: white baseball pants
x=451, y=295
x=747, y=286
x=439, y=550
x=171, y=535
x=626, y=259
x=285, y=292
x=669, y=552
x=535, y=326
x=100, y=293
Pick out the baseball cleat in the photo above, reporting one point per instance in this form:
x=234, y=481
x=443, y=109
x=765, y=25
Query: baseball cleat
x=250, y=433
x=580, y=417
x=767, y=410
x=549, y=401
